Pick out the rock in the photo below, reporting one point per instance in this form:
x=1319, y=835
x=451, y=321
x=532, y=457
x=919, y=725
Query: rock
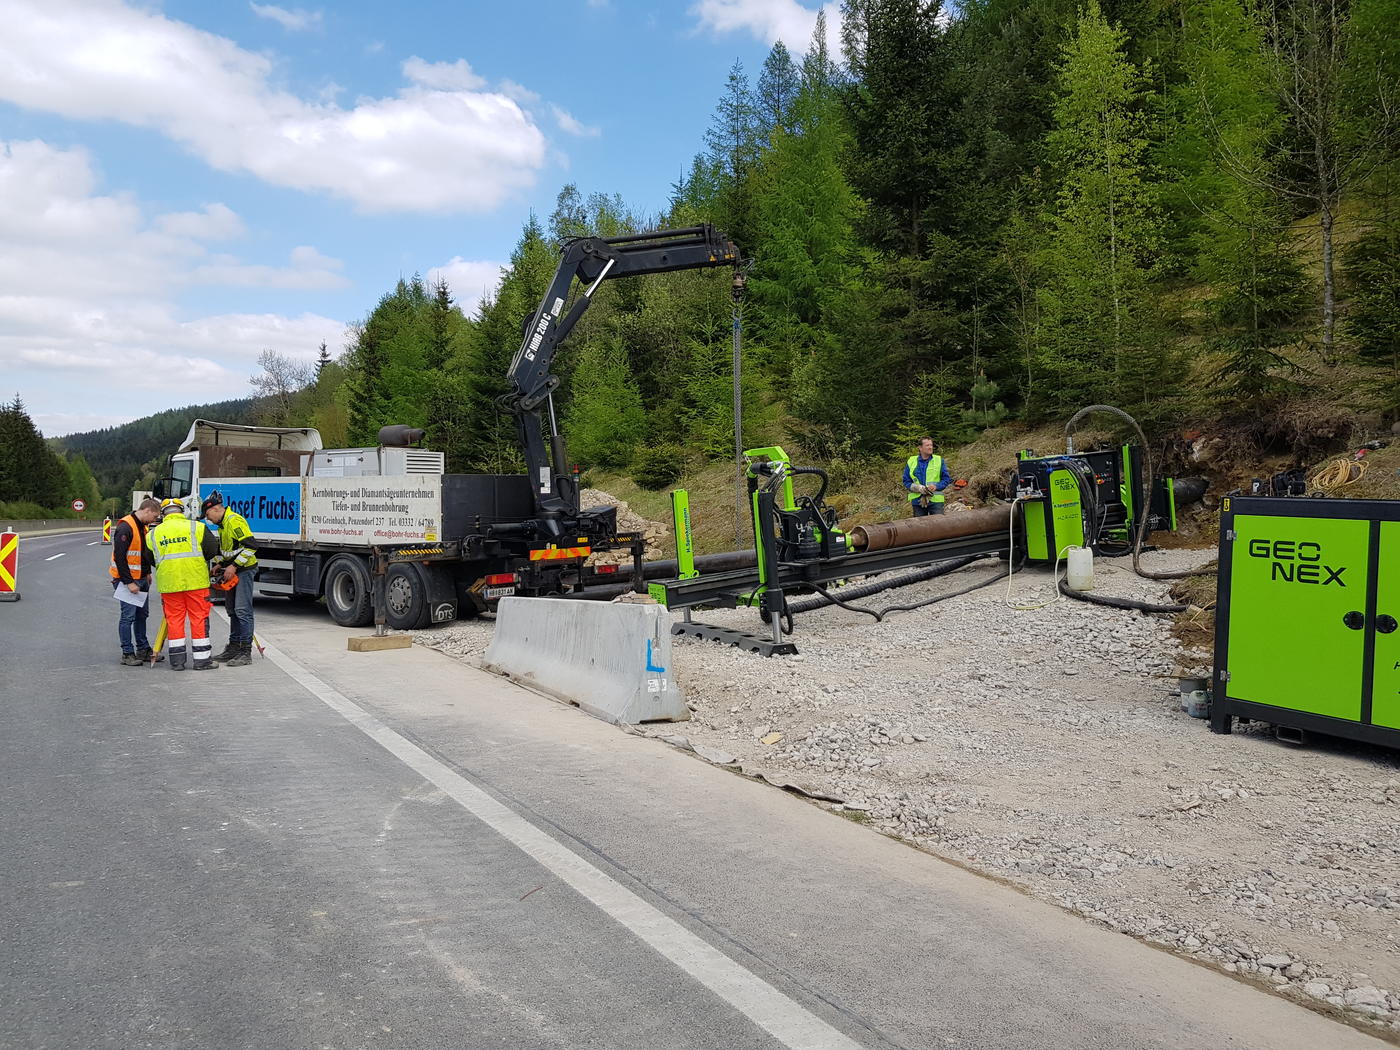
x=1318, y=989
x=1276, y=962
x=1369, y=995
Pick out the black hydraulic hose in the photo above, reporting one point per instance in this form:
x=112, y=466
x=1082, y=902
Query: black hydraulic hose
x=1144, y=497
x=1119, y=603
x=885, y=583
x=880, y=614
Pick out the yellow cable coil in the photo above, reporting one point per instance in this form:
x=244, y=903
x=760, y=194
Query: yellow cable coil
x=1338, y=474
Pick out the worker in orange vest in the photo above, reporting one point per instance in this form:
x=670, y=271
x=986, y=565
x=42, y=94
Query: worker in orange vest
x=131, y=568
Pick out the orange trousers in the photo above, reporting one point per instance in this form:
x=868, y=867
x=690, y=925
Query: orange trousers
x=194, y=607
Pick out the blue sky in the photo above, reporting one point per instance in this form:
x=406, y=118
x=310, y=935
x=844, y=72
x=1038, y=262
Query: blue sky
x=185, y=184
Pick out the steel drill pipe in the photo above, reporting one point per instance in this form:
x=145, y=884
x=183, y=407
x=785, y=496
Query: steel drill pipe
x=910, y=531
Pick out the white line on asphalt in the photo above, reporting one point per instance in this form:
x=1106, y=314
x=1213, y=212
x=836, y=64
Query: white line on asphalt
x=94, y=543
x=59, y=555
x=787, y=1021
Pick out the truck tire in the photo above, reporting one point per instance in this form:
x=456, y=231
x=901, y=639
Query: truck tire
x=406, y=603
x=349, y=597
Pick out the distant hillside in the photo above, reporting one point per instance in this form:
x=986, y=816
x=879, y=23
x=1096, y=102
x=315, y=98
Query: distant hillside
x=117, y=454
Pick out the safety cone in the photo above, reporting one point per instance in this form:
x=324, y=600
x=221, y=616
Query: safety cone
x=9, y=566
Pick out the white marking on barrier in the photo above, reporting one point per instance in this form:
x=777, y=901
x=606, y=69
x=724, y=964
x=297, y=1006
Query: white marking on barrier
x=786, y=1020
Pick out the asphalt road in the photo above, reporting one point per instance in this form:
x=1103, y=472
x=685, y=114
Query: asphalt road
x=330, y=849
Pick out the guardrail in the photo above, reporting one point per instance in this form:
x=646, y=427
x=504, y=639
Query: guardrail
x=51, y=525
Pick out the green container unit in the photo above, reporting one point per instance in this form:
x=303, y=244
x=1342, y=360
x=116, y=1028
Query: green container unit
x=1306, y=615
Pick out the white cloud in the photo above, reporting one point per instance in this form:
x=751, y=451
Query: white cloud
x=571, y=126
x=292, y=21
x=519, y=93
x=771, y=20
x=426, y=149
x=217, y=222
x=470, y=281
x=87, y=288
x=446, y=76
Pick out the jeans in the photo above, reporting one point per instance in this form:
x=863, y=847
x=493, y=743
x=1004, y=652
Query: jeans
x=238, y=603
x=133, y=621
x=932, y=508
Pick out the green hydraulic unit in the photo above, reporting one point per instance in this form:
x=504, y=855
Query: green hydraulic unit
x=1306, y=615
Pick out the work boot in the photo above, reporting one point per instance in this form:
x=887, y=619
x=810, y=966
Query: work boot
x=177, y=661
x=149, y=656
x=229, y=652
x=131, y=660
x=243, y=657
x=205, y=665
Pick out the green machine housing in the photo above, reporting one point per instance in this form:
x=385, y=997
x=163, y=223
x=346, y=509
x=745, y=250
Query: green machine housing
x=1087, y=499
x=1306, y=616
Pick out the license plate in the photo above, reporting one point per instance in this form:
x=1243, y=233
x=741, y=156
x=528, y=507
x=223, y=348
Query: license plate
x=499, y=592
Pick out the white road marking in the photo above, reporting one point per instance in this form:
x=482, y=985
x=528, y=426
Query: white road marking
x=59, y=555
x=787, y=1021
x=94, y=543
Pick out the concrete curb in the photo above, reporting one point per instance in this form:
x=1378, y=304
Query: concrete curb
x=612, y=660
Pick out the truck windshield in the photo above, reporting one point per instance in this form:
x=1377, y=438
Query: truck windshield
x=182, y=476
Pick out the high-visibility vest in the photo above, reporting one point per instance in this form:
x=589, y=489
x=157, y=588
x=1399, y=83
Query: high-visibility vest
x=133, y=552
x=933, y=473
x=177, y=543
x=233, y=531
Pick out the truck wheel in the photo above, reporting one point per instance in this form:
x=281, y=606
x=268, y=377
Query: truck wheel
x=405, y=597
x=348, y=595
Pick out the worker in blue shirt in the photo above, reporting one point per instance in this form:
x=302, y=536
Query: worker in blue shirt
x=925, y=478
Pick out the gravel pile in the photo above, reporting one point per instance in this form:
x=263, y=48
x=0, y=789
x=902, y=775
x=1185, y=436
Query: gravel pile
x=1047, y=746
x=628, y=520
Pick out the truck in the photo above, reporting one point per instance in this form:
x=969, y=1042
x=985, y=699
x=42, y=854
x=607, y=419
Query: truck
x=383, y=534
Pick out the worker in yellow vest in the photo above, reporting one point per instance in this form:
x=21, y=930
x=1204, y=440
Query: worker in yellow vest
x=130, y=569
x=237, y=565
x=183, y=550
x=925, y=478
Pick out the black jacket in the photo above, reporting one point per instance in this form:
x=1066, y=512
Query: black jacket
x=121, y=541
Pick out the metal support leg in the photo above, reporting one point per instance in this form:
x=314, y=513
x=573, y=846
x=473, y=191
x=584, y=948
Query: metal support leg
x=378, y=576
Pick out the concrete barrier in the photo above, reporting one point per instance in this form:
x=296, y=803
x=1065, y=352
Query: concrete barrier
x=614, y=661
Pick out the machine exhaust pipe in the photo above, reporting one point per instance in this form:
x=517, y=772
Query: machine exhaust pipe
x=910, y=531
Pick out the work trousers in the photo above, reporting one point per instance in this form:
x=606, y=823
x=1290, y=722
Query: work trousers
x=131, y=628
x=194, y=607
x=932, y=508
x=238, y=603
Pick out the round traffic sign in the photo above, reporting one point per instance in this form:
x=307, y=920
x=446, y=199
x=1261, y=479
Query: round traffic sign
x=79, y=505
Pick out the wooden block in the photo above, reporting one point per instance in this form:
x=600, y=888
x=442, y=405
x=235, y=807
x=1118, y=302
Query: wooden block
x=373, y=643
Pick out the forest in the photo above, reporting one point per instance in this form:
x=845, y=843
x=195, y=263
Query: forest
x=973, y=216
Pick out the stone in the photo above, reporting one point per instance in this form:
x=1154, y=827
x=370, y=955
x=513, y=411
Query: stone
x=1318, y=989
x=1368, y=995
x=1276, y=962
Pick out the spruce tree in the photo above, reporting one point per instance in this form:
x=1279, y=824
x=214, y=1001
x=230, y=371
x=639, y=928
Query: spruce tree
x=1099, y=339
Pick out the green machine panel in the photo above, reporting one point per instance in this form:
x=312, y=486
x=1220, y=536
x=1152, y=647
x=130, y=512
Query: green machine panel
x=1294, y=578
x=1385, y=664
x=1306, y=619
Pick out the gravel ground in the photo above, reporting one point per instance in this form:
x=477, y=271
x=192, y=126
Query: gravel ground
x=1048, y=747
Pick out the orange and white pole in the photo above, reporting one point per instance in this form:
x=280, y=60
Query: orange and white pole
x=9, y=566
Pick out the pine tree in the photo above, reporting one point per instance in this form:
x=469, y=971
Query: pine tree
x=323, y=358
x=605, y=420
x=1098, y=336
x=491, y=442
x=778, y=85
x=1230, y=227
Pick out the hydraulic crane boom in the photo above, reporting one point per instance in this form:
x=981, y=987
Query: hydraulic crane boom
x=590, y=261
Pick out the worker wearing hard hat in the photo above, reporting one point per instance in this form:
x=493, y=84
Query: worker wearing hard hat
x=183, y=549
x=925, y=478
x=238, y=558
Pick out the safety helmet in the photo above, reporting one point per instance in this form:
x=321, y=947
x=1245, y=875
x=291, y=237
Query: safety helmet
x=171, y=506
x=214, y=499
